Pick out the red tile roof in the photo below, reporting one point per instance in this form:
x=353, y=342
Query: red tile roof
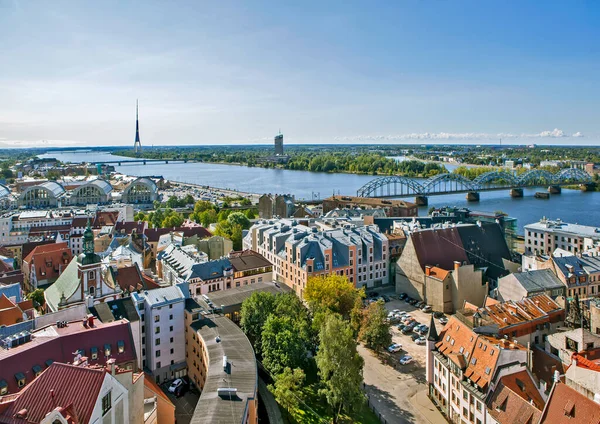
x=127, y=227
x=61, y=385
x=509, y=403
x=153, y=234
x=105, y=218
x=567, y=406
x=60, y=344
x=49, y=260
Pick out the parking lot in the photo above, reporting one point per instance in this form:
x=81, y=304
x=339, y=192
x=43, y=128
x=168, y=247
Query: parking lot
x=399, y=392
x=184, y=405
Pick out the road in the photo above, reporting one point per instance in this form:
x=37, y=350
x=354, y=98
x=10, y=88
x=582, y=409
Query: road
x=399, y=393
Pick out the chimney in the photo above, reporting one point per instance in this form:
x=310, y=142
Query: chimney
x=556, y=376
x=52, y=393
x=428, y=270
x=456, y=265
x=111, y=365
x=91, y=321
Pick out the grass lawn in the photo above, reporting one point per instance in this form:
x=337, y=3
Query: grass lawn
x=315, y=410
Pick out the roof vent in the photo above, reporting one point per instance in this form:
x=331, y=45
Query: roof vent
x=227, y=392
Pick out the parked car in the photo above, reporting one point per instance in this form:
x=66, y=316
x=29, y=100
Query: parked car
x=402, y=296
x=397, y=311
x=423, y=330
x=421, y=340
x=438, y=315
x=443, y=320
x=175, y=384
x=405, y=360
x=417, y=327
x=414, y=337
x=385, y=298
x=406, y=330
x=181, y=390
x=395, y=348
x=426, y=308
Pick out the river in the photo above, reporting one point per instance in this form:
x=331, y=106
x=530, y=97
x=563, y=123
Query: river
x=571, y=206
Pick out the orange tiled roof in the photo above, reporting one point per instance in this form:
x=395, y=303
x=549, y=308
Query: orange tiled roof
x=438, y=273
x=456, y=338
x=10, y=316
x=49, y=260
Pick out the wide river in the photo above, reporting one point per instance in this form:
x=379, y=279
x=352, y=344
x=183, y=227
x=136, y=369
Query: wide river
x=571, y=206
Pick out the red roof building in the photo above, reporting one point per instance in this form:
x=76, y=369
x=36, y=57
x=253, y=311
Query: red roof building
x=44, y=264
x=567, y=406
x=22, y=363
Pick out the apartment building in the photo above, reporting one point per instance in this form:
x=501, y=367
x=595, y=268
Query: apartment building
x=298, y=252
x=580, y=274
x=163, y=340
x=545, y=236
x=222, y=365
x=463, y=368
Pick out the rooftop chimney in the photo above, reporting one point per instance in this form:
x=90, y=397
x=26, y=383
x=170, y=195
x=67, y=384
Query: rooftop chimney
x=111, y=365
x=427, y=270
x=456, y=265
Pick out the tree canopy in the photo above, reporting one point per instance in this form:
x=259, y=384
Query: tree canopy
x=375, y=330
x=332, y=293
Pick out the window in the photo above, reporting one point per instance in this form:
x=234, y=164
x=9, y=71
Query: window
x=171, y=351
x=121, y=346
x=20, y=377
x=92, y=290
x=106, y=403
x=157, y=342
x=171, y=340
x=171, y=328
x=157, y=330
x=170, y=306
x=94, y=352
x=157, y=366
x=170, y=316
x=107, y=349
x=157, y=353
x=156, y=318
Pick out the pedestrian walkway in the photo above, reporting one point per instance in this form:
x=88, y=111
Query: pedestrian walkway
x=427, y=409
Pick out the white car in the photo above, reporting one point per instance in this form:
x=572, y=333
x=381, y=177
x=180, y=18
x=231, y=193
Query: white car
x=396, y=347
x=421, y=340
x=405, y=360
x=443, y=320
x=174, y=385
x=397, y=311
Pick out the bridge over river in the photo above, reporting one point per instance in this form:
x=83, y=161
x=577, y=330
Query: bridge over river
x=450, y=183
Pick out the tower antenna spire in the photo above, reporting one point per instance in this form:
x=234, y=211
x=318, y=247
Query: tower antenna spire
x=137, y=144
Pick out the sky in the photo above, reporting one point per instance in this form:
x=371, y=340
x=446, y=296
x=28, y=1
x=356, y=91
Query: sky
x=235, y=72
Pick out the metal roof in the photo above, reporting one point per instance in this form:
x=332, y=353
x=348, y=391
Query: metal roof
x=4, y=191
x=103, y=185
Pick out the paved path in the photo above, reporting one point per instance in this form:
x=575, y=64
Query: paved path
x=399, y=395
x=271, y=406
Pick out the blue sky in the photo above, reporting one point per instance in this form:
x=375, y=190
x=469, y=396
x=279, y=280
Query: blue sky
x=235, y=72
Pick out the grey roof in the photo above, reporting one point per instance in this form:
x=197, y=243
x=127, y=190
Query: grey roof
x=236, y=295
x=103, y=185
x=142, y=180
x=53, y=187
x=559, y=226
x=242, y=375
x=163, y=296
x=115, y=310
x=538, y=280
x=210, y=270
x=569, y=266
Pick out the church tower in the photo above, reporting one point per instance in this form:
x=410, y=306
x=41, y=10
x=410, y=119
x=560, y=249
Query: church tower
x=89, y=267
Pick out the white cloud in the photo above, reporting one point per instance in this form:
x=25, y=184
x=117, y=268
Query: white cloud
x=6, y=143
x=441, y=136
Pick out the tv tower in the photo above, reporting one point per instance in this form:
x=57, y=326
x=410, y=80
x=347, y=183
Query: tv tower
x=137, y=144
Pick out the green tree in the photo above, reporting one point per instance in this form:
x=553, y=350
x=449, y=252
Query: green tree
x=375, y=331
x=231, y=231
x=156, y=218
x=340, y=366
x=254, y=313
x=238, y=218
x=332, y=293
x=38, y=297
x=282, y=344
x=172, y=202
x=208, y=217
x=288, y=388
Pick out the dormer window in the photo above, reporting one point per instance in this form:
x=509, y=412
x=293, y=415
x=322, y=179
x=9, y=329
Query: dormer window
x=107, y=349
x=37, y=370
x=94, y=352
x=121, y=346
x=3, y=387
x=20, y=377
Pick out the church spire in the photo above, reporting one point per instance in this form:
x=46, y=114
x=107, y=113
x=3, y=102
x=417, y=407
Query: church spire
x=432, y=335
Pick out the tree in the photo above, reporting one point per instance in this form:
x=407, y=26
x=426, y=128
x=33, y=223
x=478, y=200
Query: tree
x=38, y=297
x=208, y=217
x=340, y=366
x=255, y=311
x=231, y=231
x=375, y=331
x=238, y=218
x=287, y=388
x=333, y=293
x=282, y=344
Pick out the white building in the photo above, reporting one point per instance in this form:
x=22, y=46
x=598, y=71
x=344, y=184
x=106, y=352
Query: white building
x=175, y=262
x=163, y=337
x=545, y=236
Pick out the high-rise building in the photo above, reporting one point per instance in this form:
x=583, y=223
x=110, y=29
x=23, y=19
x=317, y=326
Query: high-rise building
x=279, y=144
x=137, y=145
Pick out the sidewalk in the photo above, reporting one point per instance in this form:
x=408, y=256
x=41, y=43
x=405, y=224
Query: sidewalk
x=427, y=409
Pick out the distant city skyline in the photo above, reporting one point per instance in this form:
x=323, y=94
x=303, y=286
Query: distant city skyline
x=234, y=73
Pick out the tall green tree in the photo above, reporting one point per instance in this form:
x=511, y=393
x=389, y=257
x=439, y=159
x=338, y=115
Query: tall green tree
x=288, y=388
x=255, y=311
x=375, y=331
x=38, y=297
x=282, y=345
x=340, y=367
